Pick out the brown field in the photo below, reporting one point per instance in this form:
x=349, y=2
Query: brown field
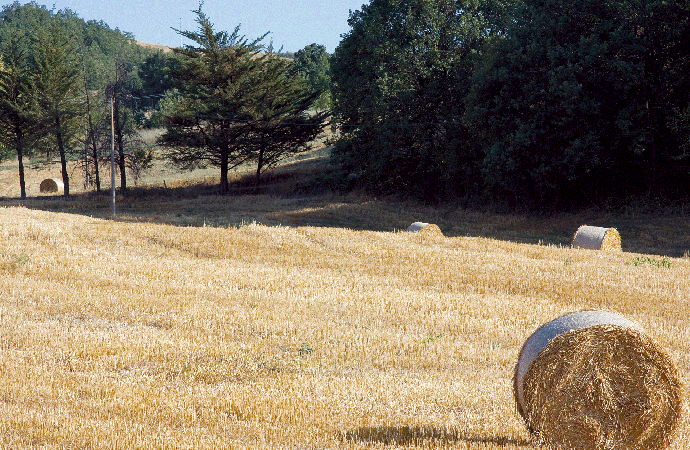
x=298, y=321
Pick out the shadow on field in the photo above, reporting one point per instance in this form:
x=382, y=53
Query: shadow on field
x=298, y=194
x=424, y=435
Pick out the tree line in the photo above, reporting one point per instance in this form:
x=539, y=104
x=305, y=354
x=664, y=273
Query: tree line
x=58, y=75
x=530, y=103
x=67, y=84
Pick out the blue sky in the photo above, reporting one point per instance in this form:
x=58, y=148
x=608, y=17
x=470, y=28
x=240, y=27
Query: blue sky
x=293, y=25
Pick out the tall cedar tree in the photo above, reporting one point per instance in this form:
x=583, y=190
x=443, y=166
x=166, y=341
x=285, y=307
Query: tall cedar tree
x=216, y=81
x=19, y=124
x=236, y=104
x=58, y=82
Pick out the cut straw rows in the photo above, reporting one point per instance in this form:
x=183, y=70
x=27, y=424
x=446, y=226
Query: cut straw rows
x=276, y=337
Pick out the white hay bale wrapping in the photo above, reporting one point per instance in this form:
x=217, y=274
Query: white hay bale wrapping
x=426, y=229
x=593, y=380
x=597, y=238
x=51, y=185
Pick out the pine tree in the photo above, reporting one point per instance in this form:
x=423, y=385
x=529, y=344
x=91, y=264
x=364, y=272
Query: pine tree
x=58, y=81
x=19, y=124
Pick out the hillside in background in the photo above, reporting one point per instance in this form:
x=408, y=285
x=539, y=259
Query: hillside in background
x=163, y=48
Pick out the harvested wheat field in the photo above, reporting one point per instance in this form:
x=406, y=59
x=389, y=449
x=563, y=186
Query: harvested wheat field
x=138, y=335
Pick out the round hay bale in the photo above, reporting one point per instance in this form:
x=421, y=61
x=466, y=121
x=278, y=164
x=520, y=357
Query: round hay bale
x=597, y=238
x=593, y=380
x=51, y=185
x=426, y=229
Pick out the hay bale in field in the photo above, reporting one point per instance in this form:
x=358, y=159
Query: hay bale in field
x=593, y=380
x=597, y=238
x=426, y=229
x=51, y=185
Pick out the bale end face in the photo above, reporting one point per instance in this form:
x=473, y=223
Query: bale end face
x=51, y=185
x=601, y=387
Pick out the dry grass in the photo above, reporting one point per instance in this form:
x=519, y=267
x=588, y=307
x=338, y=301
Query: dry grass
x=300, y=321
x=136, y=335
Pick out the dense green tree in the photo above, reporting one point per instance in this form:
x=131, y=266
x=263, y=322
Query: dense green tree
x=29, y=16
x=399, y=78
x=313, y=63
x=578, y=101
x=235, y=104
x=214, y=81
x=19, y=115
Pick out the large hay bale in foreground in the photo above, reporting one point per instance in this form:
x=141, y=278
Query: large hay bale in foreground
x=593, y=380
x=426, y=229
x=597, y=238
x=51, y=185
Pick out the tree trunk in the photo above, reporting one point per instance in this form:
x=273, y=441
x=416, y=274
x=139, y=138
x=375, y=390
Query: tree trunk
x=96, y=170
x=224, y=174
x=63, y=158
x=120, y=149
x=94, y=148
x=259, y=166
x=20, y=157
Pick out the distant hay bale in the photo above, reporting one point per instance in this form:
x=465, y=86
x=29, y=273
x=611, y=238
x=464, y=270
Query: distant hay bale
x=593, y=380
x=51, y=185
x=597, y=238
x=425, y=229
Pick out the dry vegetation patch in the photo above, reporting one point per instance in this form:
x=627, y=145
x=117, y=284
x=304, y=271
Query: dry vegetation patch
x=128, y=335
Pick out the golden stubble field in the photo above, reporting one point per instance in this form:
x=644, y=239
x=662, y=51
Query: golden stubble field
x=140, y=335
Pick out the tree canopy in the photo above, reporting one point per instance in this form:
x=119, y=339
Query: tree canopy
x=399, y=79
x=537, y=103
x=584, y=99
x=313, y=63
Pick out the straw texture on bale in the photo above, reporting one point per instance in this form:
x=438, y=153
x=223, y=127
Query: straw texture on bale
x=593, y=380
x=597, y=238
x=51, y=185
x=426, y=229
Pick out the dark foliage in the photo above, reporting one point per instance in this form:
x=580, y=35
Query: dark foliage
x=399, y=79
x=533, y=103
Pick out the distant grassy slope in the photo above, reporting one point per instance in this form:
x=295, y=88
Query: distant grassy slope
x=142, y=335
x=164, y=48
